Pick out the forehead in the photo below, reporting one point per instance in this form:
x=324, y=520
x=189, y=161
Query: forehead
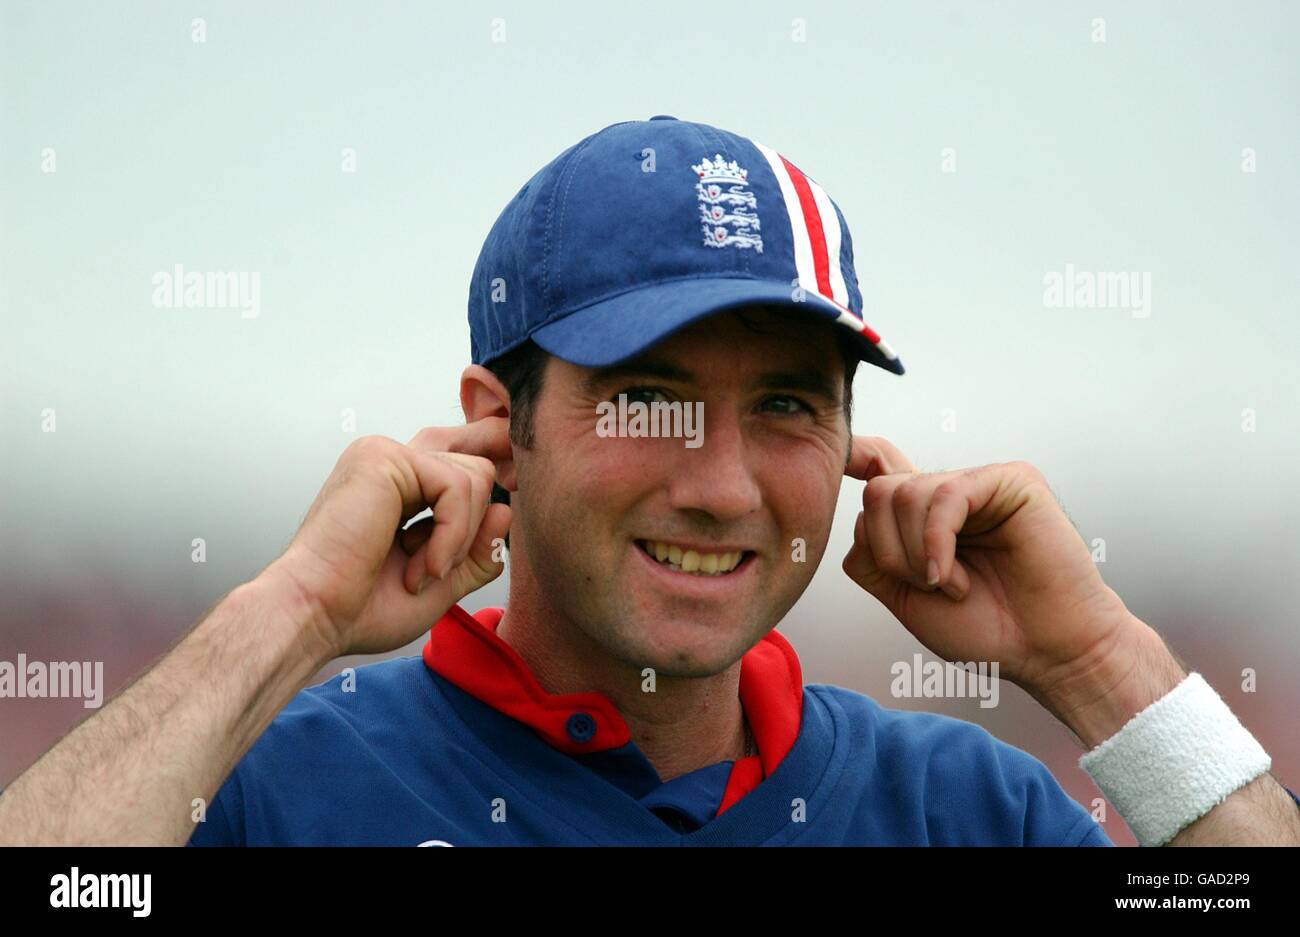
x=750, y=346
x=754, y=336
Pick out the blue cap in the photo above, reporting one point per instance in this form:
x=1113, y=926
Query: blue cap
x=647, y=226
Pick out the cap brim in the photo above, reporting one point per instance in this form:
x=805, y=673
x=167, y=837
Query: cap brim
x=625, y=325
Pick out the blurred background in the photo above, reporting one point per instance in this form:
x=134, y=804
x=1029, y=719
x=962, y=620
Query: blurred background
x=356, y=154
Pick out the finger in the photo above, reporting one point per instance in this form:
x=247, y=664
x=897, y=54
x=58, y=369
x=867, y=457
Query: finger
x=434, y=564
x=949, y=508
x=912, y=502
x=882, y=530
x=448, y=490
x=470, y=463
x=870, y=456
x=477, y=464
x=958, y=584
x=418, y=477
x=483, y=564
x=485, y=561
x=488, y=438
x=860, y=565
x=481, y=487
x=416, y=576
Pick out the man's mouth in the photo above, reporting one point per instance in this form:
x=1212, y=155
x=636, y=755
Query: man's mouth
x=684, y=559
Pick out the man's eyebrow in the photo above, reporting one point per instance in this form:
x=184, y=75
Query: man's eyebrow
x=808, y=380
x=640, y=368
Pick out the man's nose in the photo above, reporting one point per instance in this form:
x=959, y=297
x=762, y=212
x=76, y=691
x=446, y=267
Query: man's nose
x=716, y=477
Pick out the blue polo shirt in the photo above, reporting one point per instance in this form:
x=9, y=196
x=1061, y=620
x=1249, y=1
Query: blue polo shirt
x=462, y=746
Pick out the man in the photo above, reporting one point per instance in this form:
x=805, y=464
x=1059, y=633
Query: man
x=633, y=690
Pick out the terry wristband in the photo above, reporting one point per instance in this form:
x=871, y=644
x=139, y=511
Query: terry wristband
x=1175, y=761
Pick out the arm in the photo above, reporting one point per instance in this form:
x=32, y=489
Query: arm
x=1100, y=702
x=130, y=773
x=983, y=565
x=353, y=581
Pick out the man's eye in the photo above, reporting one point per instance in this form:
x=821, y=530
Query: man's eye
x=793, y=404
x=641, y=394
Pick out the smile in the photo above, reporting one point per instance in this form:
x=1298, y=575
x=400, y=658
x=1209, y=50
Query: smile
x=681, y=559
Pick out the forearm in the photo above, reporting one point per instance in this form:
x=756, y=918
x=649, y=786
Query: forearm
x=1260, y=814
x=131, y=773
x=1100, y=703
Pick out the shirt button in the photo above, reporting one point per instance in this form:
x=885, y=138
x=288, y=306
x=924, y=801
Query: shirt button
x=663, y=117
x=581, y=727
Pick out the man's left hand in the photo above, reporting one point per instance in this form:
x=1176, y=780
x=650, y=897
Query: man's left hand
x=1015, y=584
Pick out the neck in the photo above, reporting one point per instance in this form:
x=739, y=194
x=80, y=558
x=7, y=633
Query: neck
x=685, y=724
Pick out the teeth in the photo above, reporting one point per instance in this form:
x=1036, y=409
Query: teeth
x=691, y=561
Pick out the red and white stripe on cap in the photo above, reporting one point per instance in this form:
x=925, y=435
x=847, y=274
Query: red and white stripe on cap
x=815, y=226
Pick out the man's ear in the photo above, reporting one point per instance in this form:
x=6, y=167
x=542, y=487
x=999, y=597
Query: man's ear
x=482, y=396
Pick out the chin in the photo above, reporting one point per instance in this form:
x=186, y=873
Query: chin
x=684, y=649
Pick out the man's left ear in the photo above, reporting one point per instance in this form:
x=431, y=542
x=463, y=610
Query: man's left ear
x=482, y=395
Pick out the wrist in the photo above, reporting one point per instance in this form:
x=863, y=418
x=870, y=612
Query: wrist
x=1105, y=694
x=303, y=618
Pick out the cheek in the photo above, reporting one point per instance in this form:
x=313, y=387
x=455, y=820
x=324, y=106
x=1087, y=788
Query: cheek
x=587, y=477
x=609, y=467
x=802, y=494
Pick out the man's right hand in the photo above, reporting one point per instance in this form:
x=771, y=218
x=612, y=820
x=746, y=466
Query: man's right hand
x=361, y=573
x=349, y=583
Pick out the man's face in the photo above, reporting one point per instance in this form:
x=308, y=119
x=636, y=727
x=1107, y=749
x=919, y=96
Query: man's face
x=766, y=475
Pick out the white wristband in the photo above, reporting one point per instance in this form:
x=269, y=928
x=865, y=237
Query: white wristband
x=1175, y=761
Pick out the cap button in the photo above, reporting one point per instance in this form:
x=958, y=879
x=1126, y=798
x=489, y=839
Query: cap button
x=663, y=117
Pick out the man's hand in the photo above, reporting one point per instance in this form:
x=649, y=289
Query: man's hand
x=983, y=565
x=375, y=586
x=348, y=583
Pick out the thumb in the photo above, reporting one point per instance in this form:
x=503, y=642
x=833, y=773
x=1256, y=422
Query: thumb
x=486, y=558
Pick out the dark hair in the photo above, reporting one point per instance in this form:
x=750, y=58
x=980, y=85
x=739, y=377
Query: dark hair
x=849, y=355
x=522, y=368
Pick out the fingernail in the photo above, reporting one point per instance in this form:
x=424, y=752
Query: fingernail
x=446, y=568
x=423, y=583
x=932, y=571
x=952, y=592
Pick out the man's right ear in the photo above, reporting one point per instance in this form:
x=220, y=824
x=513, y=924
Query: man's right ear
x=483, y=395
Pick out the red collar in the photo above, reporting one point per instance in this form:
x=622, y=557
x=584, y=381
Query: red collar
x=466, y=650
